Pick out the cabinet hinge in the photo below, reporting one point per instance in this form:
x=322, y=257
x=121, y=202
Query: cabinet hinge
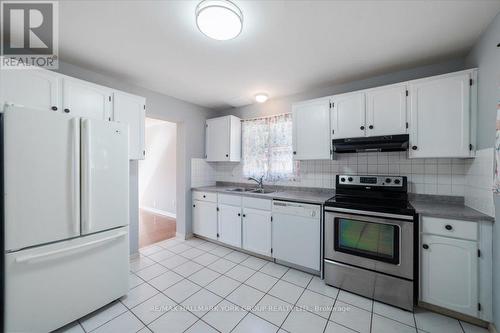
x=406, y=124
x=271, y=250
x=478, y=252
x=470, y=146
x=333, y=105
x=478, y=306
x=407, y=93
x=110, y=98
x=205, y=155
x=217, y=208
x=206, y=125
x=333, y=131
x=271, y=219
x=143, y=153
x=217, y=235
x=144, y=106
x=471, y=82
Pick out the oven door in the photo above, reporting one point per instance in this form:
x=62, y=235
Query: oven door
x=380, y=244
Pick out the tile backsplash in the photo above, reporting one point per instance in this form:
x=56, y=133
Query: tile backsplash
x=479, y=182
x=470, y=178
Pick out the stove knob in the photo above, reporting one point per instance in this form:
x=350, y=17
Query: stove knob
x=350, y=179
x=342, y=179
x=388, y=180
x=397, y=181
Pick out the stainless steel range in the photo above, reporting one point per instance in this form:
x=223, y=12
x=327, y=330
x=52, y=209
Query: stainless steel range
x=369, y=245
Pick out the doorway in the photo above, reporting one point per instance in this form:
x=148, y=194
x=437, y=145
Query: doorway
x=157, y=183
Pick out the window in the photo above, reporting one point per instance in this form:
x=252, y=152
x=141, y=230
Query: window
x=267, y=148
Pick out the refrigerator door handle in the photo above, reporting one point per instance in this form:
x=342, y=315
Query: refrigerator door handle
x=86, y=177
x=76, y=174
x=33, y=257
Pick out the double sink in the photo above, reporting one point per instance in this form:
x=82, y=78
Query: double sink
x=250, y=190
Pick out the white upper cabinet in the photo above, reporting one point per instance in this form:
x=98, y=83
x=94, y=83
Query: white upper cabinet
x=131, y=109
x=85, y=99
x=311, y=129
x=440, y=116
x=223, y=139
x=450, y=273
x=46, y=90
x=348, y=115
x=37, y=89
x=386, y=110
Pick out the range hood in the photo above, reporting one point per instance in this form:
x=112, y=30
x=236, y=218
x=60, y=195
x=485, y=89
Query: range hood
x=369, y=144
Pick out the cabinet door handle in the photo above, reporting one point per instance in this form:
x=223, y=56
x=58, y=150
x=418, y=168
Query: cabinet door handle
x=66, y=110
x=54, y=108
x=370, y=127
x=244, y=215
x=448, y=227
x=239, y=214
x=204, y=196
x=362, y=128
x=414, y=147
x=295, y=153
x=194, y=205
x=227, y=155
x=425, y=246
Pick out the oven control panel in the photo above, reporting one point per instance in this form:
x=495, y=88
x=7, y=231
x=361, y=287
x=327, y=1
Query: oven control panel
x=357, y=180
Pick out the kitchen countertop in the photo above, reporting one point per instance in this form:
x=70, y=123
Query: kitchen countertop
x=307, y=195
x=447, y=208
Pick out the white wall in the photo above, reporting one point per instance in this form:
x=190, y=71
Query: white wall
x=190, y=120
x=284, y=104
x=486, y=56
x=157, y=172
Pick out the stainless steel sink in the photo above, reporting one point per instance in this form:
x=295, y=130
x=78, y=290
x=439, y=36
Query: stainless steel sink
x=263, y=191
x=250, y=190
x=240, y=189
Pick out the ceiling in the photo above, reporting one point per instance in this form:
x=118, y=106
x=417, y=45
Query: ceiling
x=286, y=47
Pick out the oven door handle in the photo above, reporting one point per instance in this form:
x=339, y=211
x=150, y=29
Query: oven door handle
x=364, y=212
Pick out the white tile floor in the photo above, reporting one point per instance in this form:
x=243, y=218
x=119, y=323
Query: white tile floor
x=197, y=286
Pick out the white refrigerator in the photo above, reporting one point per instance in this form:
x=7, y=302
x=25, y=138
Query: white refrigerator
x=66, y=215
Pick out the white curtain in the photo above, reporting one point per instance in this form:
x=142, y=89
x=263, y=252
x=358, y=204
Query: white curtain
x=267, y=148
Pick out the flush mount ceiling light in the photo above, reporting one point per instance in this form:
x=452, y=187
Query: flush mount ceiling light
x=219, y=19
x=261, y=97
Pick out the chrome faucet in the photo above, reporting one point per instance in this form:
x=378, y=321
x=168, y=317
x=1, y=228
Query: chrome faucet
x=259, y=182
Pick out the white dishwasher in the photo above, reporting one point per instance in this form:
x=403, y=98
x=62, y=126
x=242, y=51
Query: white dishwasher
x=297, y=233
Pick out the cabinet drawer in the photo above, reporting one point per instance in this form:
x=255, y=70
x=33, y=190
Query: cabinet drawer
x=256, y=203
x=205, y=196
x=450, y=228
x=228, y=199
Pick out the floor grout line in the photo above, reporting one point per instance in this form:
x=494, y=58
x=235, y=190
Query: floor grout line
x=207, y=248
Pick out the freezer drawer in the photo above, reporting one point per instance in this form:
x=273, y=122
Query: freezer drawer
x=49, y=286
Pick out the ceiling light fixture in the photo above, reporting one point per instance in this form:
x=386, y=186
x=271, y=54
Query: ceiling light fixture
x=219, y=19
x=261, y=97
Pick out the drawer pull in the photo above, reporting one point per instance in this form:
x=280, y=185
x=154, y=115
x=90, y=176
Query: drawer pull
x=448, y=227
x=425, y=246
x=204, y=196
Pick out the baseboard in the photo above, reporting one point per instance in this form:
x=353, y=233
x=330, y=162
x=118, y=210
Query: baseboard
x=159, y=212
x=179, y=235
x=134, y=256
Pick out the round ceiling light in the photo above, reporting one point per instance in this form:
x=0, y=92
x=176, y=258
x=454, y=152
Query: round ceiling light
x=219, y=19
x=261, y=97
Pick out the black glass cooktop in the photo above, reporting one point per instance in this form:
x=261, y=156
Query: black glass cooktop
x=390, y=205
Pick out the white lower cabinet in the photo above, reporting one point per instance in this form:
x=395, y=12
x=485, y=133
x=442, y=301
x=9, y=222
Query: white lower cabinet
x=257, y=231
x=230, y=224
x=205, y=218
x=449, y=272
